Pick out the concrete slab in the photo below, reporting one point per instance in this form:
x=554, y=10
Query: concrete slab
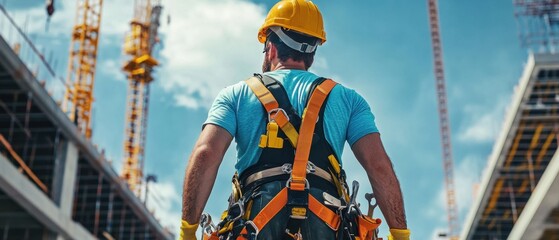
x=37, y=204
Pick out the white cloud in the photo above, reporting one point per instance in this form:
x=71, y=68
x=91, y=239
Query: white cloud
x=483, y=130
x=320, y=64
x=113, y=68
x=186, y=101
x=211, y=45
x=483, y=123
x=163, y=199
x=115, y=22
x=466, y=176
x=115, y=18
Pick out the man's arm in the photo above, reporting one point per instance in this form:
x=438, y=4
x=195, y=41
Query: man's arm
x=371, y=154
x=202, y=170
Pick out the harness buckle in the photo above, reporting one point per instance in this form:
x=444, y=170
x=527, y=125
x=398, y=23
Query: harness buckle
x=295, y=236
x=241, y=210
x=288, y=183
x=297, y=198
x=254, y=229
x=276, y=110
x=287, y=168
x=311, y=168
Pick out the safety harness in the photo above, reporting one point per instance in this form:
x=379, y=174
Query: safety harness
x=344, y=217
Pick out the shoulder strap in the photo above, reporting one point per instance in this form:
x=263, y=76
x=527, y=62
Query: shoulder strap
x=279, y=92
x=310, y=116
x=274, y=111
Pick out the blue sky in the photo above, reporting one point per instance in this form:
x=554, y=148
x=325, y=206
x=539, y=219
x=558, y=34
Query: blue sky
x=380, y=48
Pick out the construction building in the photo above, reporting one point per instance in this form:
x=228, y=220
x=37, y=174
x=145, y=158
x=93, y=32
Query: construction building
x=54, y=183
x=517, y=197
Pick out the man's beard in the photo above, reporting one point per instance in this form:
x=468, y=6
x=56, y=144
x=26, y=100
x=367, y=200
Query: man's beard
x=266, y=65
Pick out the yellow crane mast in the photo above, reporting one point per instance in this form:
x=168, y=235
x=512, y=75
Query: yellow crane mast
x=78, y=97
x=138, y=45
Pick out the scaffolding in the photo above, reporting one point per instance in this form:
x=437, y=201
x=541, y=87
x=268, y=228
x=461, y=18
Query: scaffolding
x=538, y=24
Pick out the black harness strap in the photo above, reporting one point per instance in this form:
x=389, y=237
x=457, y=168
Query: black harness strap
x=282, y=98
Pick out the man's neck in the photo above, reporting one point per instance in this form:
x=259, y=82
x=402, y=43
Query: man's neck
x=290, y=64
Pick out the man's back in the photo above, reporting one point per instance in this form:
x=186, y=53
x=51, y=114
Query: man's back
x=347, y=115
x=281, y=197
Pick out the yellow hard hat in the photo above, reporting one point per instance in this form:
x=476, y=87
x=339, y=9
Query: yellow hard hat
x=297, y=15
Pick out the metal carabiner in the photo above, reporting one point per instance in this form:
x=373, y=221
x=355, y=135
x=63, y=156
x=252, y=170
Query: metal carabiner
x=240, y=206
x=311, y=168
x=251, y=224
x=276, y=110
x=287, y=168
x=206, y=223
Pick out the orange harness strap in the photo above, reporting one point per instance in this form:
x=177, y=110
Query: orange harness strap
x=264, y=95
x=267, y=213
x=279, y=201
x=299, y=173
x=325, y=214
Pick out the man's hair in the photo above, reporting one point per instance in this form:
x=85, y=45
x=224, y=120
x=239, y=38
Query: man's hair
x=285, y=52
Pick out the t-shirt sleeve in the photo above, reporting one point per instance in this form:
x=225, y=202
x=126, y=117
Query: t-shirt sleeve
x=222, y=113
x=362, y=119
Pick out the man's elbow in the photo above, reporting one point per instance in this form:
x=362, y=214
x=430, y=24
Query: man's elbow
x=381, y=164
x=207, y=155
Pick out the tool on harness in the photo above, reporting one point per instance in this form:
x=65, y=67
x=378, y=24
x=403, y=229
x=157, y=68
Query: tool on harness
x=295, y=197
x=350, y=214
x=332, y=201
x=271, y=139
x=353, y=205
x=206, y=223
x=370, y=197
x=236, y=192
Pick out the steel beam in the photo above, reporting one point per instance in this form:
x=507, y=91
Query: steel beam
x=532, y=223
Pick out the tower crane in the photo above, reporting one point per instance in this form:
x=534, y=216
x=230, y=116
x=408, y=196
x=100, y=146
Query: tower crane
x=444, y=121
x=139, y=44
x=78, y=97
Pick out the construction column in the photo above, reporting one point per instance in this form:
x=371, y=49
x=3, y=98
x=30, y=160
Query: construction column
x=64, y=177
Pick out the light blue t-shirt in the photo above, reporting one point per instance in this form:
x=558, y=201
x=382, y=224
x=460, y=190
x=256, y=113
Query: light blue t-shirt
x=347, y=116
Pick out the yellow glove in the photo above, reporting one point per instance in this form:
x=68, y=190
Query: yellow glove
x=188, y=231
x=399, y=234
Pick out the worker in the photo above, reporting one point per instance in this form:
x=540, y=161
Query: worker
x=290, y=127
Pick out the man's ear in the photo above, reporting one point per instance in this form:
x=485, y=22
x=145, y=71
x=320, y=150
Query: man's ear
x=272, y=51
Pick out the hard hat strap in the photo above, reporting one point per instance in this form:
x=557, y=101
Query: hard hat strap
x=301, y=47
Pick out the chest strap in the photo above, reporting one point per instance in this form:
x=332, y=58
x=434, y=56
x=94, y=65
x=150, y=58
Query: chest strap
x=287, y=169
